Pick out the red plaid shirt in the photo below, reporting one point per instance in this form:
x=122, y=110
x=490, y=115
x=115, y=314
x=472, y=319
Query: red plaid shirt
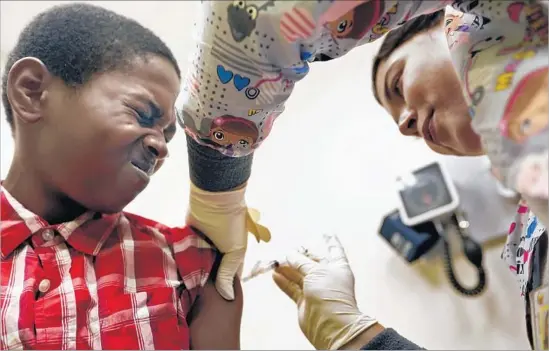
x=99, y=282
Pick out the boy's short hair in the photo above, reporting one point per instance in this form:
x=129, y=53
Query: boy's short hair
x=399, y=36
x=76, y=41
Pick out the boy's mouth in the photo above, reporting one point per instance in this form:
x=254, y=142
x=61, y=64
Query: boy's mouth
x=144, y=166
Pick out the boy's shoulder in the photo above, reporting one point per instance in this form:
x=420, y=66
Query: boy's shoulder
x=172, y=235
x=145, y=223
x=187, y=250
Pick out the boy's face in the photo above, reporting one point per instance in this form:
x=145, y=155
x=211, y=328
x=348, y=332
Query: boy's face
x=419, y=87
x=98, y=144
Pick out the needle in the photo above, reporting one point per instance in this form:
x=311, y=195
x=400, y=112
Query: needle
x=261, y=268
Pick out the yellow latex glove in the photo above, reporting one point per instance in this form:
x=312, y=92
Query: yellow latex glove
x=324, y=290
x=226, y=220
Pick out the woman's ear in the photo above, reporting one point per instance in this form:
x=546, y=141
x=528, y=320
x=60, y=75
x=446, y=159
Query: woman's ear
x=26, y=88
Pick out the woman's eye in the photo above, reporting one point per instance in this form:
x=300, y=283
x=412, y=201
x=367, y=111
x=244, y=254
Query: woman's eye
x=397, y=88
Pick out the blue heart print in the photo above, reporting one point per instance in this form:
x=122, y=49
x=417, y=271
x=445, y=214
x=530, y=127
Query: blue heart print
x=305, y=56
x=224, y=75
x=240, y=82
x=303, y=69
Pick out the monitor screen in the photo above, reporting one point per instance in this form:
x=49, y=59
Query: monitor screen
x=424, y=190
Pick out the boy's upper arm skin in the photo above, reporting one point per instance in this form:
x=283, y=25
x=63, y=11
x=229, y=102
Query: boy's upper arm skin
x=214, y=322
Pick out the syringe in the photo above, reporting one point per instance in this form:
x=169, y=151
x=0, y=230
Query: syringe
x=261, y=267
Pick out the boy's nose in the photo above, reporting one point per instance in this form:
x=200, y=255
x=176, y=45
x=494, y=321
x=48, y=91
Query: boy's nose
x=156, y=145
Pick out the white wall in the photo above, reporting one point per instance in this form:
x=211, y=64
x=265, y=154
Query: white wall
x=328, y=167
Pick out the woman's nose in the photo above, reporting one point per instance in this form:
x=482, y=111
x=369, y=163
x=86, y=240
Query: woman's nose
x=156, y=146
x=408, y=124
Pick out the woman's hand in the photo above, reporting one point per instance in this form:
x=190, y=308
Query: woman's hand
x=323, y=289
x=226, y=220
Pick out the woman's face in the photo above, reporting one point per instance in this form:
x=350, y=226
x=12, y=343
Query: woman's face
x=419, y=87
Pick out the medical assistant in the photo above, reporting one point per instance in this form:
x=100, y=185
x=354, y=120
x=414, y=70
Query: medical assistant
x=250, y=54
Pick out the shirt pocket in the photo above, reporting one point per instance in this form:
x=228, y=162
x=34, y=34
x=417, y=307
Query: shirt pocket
x=147, y=319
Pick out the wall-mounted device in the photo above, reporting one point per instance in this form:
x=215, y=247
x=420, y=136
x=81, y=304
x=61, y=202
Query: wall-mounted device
x=411, y=242
x=429, y=208
x=425, y=194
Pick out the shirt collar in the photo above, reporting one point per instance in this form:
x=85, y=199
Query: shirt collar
x=87, y=233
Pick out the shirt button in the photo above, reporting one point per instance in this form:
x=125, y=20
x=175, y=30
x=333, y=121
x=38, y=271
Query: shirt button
x=44, y=285
x=47, y=235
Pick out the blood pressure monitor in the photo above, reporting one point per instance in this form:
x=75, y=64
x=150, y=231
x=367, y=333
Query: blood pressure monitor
x=429, y=208
x=425, y=194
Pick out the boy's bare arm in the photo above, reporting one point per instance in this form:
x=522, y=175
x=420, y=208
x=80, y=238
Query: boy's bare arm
x=214, y=321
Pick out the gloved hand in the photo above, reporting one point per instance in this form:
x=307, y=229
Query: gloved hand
x=226, y=220
x=323, y=289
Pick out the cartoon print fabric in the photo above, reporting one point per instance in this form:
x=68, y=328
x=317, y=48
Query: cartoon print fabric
x=523, y=235
x=500, y=50
x=505, y=76
x=250, y=55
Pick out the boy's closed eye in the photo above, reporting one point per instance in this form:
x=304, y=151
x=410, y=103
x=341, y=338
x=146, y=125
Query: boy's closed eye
x=151, y=116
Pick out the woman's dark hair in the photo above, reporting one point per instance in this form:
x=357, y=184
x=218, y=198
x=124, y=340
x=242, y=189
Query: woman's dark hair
x=398, y=36
x=76, y=41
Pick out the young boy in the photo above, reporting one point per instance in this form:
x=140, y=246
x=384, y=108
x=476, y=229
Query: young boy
x=90, y=97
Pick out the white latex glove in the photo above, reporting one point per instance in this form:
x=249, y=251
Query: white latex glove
x=324, y=290
x=226, y=220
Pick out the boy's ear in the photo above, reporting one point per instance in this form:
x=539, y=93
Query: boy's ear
x=26, y=88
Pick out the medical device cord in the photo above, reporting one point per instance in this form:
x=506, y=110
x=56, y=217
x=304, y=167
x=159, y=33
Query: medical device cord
x=473, y=252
